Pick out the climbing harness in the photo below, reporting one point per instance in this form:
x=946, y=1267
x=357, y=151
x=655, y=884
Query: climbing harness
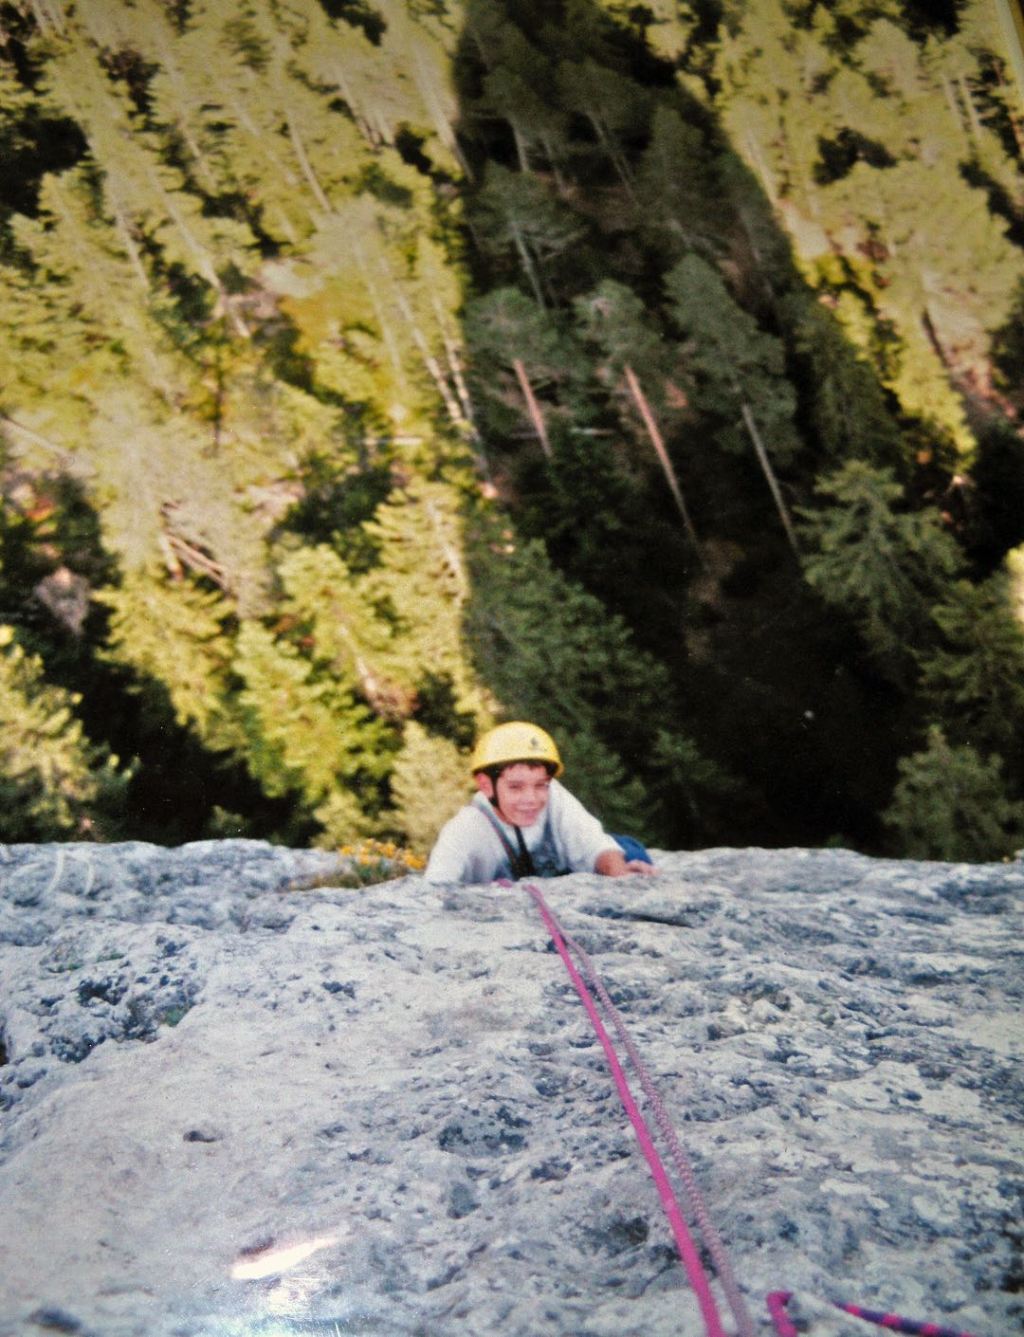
x=688, y=1252
x=520, y=861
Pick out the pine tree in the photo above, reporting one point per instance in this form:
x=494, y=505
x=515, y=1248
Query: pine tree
x=552, y=653
x=616, y=107
x=429, y=783
x=738, y=372
x=614, y=320
x=54, y=783
x=951, y=803
x=177, y=639
x=519, y=221
x=423, y=581
x=308, y=735
x=517, y=350
x=342, y=630
x=885, y=566
x=679, y=199
x=974, y=678
x=847, y=407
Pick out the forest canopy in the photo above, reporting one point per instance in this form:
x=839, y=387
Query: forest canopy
x=375, y=370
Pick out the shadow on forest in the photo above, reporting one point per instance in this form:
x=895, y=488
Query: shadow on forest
x=558, y=108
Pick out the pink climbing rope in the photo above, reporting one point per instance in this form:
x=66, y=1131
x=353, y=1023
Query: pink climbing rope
x=683, y=1166
x=684, y=1241
x=781, y=1321
x=784, y=1326
x=776, y=1300
x=895, y=1323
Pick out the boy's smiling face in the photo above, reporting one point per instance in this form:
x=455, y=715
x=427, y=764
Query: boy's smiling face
x=522, y=792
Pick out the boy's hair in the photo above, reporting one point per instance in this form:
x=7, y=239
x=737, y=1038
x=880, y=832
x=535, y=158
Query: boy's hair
x=495, y=772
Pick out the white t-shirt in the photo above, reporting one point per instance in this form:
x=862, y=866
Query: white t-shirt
x=469, y=849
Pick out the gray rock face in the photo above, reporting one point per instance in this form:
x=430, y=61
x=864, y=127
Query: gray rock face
x=231, y=1108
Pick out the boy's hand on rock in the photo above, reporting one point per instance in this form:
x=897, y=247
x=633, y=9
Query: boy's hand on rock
x=639, y=866
x=613, y=863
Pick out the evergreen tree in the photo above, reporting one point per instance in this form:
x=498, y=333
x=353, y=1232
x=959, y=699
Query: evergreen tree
x=423, y=583
x=951, y=803
x=308, y=735
x=177, y=639
x=429, y=783
x=974, y=677
x=54, y=783
x=678, y=197
x=616, y=108
x=847, y=410
x=553, y=654
x=731, y=360
x=519, y=221
x=614, y=319
x=517, y=350
x=738, y=372
x=884, y=565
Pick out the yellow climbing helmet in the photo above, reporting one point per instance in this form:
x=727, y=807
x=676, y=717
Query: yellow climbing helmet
x=516, y=741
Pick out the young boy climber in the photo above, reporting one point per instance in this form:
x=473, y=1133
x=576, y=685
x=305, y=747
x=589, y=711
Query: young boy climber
x=522, y=822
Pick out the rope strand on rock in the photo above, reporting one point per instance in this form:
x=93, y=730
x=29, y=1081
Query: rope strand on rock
x=776, y=1300
x=785, y=1327
x=684, y=1241
x=681, y=1161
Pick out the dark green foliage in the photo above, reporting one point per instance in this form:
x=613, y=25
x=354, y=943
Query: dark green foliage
x=54, y=783
x=951, y=803
x=358, y=13
x=993, y=496
x=837, y=156
x=1008, y=351
x=555, y=655
x=845, y=409
x=336, y=503
x=524, y=227
x=438, y=712
x=732, y=361
x=881, y=564
x=973, y=679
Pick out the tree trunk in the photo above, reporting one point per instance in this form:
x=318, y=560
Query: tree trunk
x=386, y=332
x=527, y=262
x=640, y=399
x=431, y=363
x=549, y=153
x=306, y=166
x=967, y=97
x=534, y=408
x=48, y=15
x=521, y=151
x=769, y=473
x=615, y=157
x=951, y=102
x=453, y=355
x=65, y=456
